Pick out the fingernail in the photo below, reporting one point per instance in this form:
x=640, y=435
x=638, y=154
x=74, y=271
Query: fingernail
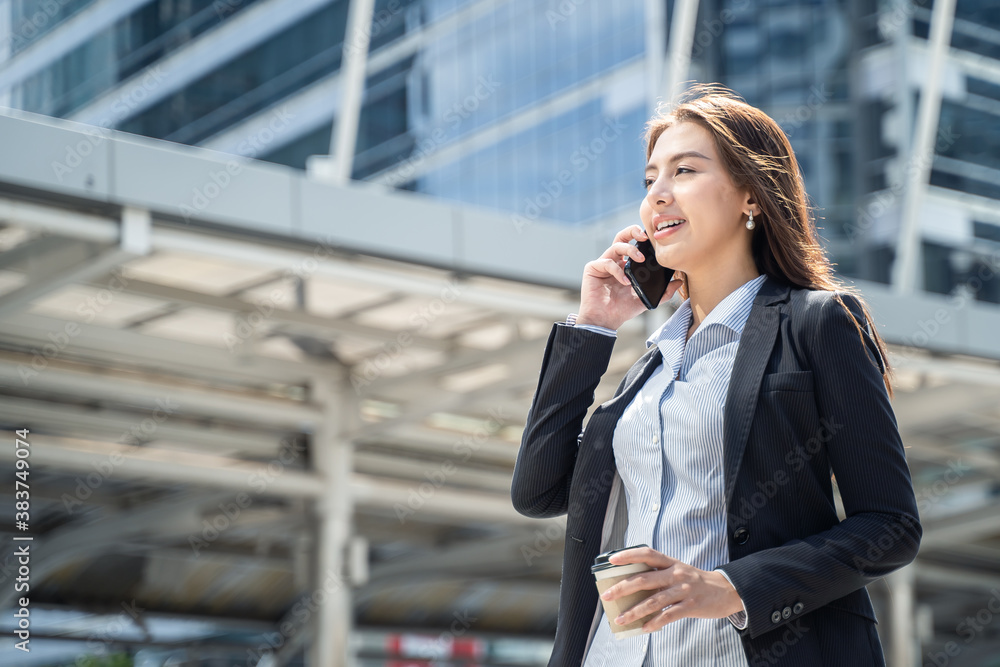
x=620, y=620
x=606, y=595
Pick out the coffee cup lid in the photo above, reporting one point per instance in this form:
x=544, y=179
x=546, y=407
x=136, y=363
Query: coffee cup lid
x=601, y=562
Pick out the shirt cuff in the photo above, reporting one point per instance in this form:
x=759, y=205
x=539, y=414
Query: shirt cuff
x=571, y=321
x=739, y=619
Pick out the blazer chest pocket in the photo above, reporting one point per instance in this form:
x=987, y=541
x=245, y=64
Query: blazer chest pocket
x=793, y=381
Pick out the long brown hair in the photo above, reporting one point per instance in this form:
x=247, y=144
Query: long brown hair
x=759, y=157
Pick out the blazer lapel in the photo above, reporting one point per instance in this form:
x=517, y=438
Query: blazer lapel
x=756, y=343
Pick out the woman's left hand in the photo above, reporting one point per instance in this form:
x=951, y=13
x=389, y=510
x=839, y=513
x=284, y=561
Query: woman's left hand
x=688, y=591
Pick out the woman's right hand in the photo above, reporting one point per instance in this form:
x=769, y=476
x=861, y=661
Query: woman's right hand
x=606, y=295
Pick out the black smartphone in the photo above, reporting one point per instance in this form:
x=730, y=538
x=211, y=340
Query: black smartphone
x=649, y=279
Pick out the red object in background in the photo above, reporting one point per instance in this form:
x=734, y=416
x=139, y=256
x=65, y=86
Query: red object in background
x=430, y=647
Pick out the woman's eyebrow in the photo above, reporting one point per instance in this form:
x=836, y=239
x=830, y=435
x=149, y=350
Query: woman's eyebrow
x=680, y=156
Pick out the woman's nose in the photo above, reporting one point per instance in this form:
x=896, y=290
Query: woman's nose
x=660, y=194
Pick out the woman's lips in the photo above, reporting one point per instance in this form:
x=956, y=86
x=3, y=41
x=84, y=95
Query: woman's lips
x=664, y=233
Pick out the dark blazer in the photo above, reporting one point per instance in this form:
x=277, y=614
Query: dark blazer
x=805, y=399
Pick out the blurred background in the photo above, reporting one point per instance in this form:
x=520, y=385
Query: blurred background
x=276, y=277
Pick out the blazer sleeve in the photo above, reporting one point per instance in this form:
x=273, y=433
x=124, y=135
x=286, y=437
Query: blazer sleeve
x=881, y=532
x=572, y=366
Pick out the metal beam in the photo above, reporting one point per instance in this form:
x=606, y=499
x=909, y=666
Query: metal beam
x=68, y=35
x=344, y=137
x=908, y=267
x=134, y=240
x=682, y=26
x=72, y=420
x=951, y=578
x=16, y=373
x=291, y=320
x=378, y=275
x=122, y=348
x=420, y=471
x=161, y=466
x=976, y=524
x=18, y=257
x=395, y=498
x=423, y=440
x=368, y=493
x=49, y=219
x=197, y=58
x=457, y=361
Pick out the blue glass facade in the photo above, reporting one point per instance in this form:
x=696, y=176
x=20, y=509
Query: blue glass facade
x=461, y=116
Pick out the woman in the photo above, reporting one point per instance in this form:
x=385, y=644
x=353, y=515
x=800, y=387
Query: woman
x=718, y=447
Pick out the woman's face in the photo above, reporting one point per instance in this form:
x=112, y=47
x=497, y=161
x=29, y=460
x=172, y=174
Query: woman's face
x=686, y=179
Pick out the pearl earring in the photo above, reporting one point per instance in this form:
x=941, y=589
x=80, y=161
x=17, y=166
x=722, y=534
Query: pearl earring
x=750, y=224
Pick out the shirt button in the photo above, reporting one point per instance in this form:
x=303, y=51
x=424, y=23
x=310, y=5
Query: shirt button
x=656, y=438
x=655, y=507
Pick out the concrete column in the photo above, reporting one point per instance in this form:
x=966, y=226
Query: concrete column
x=333, y=459
x=903, y=641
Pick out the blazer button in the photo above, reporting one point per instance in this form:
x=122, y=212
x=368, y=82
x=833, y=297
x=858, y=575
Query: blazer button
x=741, y=536
x=786, y=612
x=797, y=609
x=776, y=617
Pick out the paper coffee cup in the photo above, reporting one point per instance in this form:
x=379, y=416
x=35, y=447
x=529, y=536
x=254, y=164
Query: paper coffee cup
x=607, y=575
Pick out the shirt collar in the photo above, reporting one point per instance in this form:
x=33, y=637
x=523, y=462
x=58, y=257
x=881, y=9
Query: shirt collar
x=731, y=312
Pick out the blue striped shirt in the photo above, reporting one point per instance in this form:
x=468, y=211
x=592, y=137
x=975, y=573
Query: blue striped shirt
x=668, y=448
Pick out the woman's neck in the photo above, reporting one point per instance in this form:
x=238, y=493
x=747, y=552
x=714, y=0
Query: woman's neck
x=707, y=292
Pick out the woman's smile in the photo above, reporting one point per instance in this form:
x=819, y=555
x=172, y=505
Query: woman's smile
x=664, y=232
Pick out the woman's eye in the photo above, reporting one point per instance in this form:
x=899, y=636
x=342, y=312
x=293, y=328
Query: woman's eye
x=646, y=182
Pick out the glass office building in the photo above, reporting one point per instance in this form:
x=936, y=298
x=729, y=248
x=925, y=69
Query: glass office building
x=488, y=102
